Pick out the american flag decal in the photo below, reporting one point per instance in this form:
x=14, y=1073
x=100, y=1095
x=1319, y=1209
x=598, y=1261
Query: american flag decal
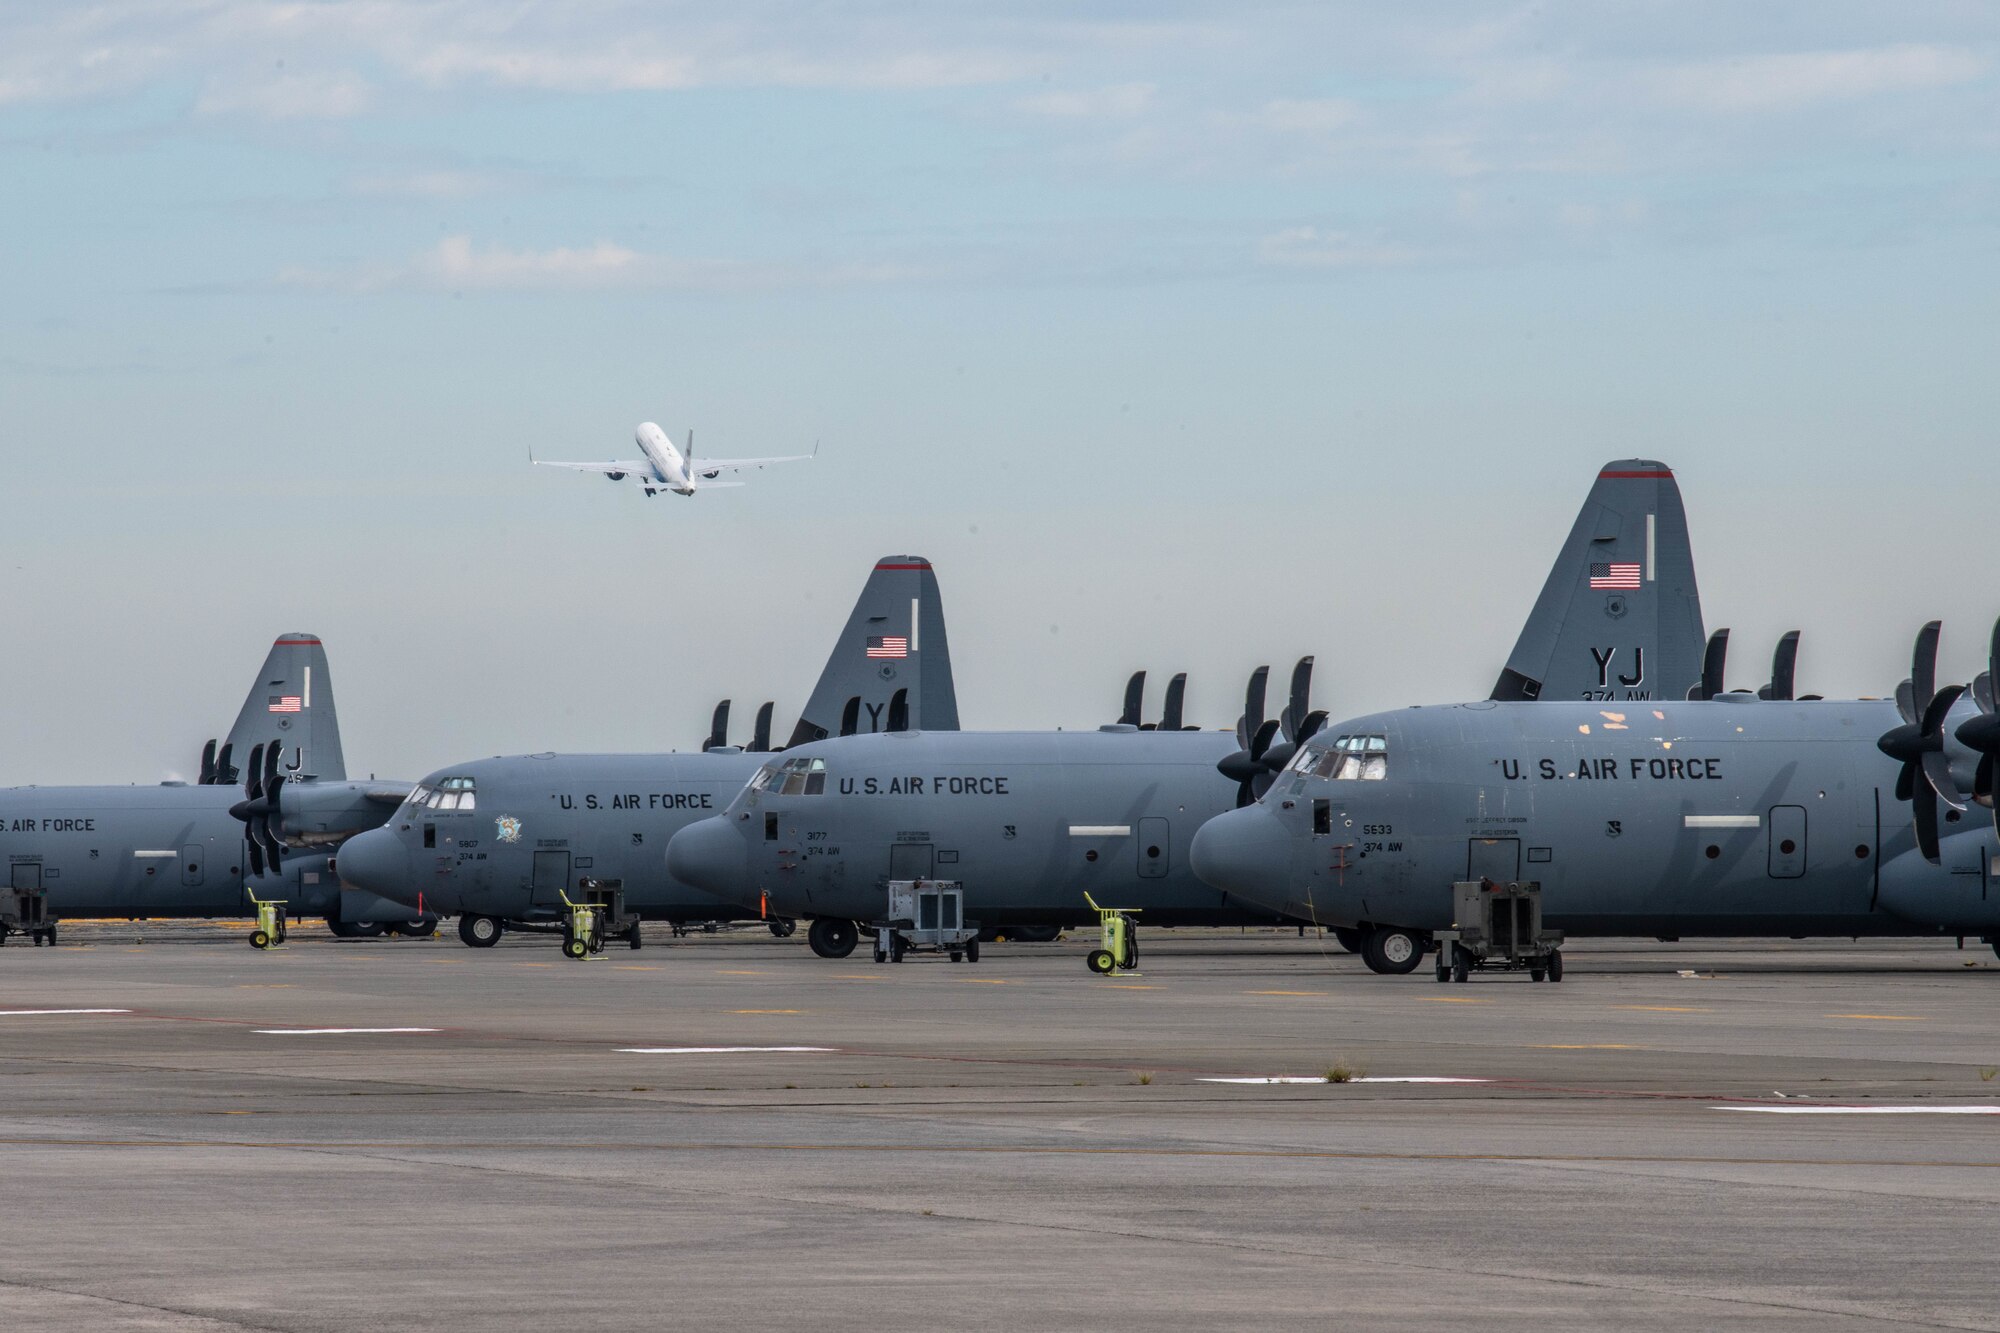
x=888, y=645
x=1616, y=575
x=284, y=703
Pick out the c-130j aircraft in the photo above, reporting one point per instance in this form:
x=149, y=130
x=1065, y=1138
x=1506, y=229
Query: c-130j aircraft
x=204, y=850
x=1030, y=822
x=1725, y=813
x=499, y=841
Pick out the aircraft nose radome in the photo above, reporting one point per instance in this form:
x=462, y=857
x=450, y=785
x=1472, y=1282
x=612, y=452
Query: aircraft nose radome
x=1242, y=852
x=709, y=855
x=375, y=861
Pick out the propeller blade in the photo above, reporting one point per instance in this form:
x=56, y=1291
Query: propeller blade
x=1253, y=707
x=1982, y=784
x=1262, y=740
x=272, y=753
x=1135, y=697
x=1924, y=806
x=1906, y=782
x=1311, y=726
x=1170, y=720
x=1784, y=666
x=850, y=716
x=1934, y=714
x=1906, y=703
x=1299, y=703
x=225, y=772
x=718, y=728
x=1713, y=659
x=899, y=711
x=207, y=778
x=253, y=785
x=1923, y=664
x=1937, y=769
x=1982, y=691
x=256, y=858
x=760, y=738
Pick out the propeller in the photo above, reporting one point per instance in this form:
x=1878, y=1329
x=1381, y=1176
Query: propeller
x=259, y=806
x=1297, y=723
x=1981, y=732
x=760, y=739
x=850, y=716
x=1919, y=743
x=718, y=728
x=1784, y=668
x=225, y=772
x=899, y=711
x=1713, y=659
x=1135, y=698
x=1254, y=734
x=207, y=778
x=1170, y=720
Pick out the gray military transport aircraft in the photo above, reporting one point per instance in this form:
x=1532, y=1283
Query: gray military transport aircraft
x=204, y=850
x=500, y=841
x=1030, y=823
x=1726, y=813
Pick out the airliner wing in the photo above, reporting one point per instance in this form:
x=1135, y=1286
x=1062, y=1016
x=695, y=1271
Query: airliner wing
x=608, y=469
x=708, y=467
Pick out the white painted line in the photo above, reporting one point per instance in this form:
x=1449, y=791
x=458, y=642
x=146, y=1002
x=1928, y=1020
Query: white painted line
x=712, y=1050
x=1865, y=1110
x=23, y=1013
x=1321, y=1078
x=330, y=1032
x=1100, y=830
x=1722, y=821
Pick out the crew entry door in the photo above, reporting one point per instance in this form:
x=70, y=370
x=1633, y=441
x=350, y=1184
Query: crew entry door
x=910, y=860
x=1497, y=859
x=551, y=878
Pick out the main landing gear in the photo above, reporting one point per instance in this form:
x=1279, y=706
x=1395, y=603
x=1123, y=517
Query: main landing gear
x=831, y=938
x=1394, y=950
x=480, y=932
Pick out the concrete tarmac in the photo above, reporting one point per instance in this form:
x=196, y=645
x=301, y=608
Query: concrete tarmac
x=1757, y=1135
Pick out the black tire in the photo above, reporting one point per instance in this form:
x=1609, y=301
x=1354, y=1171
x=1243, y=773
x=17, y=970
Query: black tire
x=574, y=947
x=958, y=955
x=1443, y=969
x=52, y=937
x=633, y=938
x=831, y=937
x=1555, y=965
x=1461, y=964
x=259, y=940
x=782, y=926
x=881, y=954
x=896, y=950
x=1393, y=951
x=480, y=932
x=1101, y=962
x=420, y=929
x=972, y=951
x=1537, y=973
x=354, y=930
x=1348, y=938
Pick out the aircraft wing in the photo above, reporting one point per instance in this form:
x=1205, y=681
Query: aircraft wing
x=702, y=467
x=606, y=468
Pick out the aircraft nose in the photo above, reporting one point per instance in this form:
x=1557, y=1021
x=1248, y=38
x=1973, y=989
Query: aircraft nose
x=709, y=854
x=1244, y=852
x=376, y=861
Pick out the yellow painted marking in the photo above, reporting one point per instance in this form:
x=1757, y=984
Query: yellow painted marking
x=1454, y=999
x=984, y=981
x=1587, y=1046
x=1285, y=992
x=635, y=967
x=858, y=978
x=1885, y=1018
x=737, y=972
x=1665, y=1008
x=534, y=965
x=767, y=1011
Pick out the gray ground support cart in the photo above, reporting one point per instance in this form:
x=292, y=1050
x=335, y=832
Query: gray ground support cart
x=595, y=915
x=24, y=907
x=926, y=916
x=1498, y=926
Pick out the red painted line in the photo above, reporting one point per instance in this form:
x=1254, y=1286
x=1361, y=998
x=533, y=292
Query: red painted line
x=296, y=643
x=1662, y=475
x=923, y=564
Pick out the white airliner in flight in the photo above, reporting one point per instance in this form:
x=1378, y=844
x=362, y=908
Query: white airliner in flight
x=664, y=468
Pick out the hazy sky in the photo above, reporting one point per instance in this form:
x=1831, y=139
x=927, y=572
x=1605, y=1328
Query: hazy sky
x=1179, y=336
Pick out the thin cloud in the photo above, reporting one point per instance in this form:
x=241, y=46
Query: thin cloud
x=1796, y=79
x=1119, y=101
x=301, y=96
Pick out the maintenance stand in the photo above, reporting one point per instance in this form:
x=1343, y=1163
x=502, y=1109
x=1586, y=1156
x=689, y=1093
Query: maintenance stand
x=1498, y=926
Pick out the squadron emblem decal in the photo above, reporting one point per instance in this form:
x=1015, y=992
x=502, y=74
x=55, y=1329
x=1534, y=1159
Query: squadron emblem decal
x=507, y=828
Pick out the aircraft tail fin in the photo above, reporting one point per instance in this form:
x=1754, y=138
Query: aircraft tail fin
x=290, y=705
x=894, y=642
x=1620, y=615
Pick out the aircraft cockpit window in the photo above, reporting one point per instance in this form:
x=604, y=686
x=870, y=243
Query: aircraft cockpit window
x=1355, y=759
x=797, y=777
x=450, y=794
x=418, y=795
x=766, y=776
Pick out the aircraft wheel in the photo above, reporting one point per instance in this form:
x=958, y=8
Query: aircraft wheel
x=1443, y=969
x=831, y=938
x=1393, y=950
x=480, y=932
x=881, y=954
x=958, y=955
x=259, y=940
x=972, y=951
x=783, y=927
x=1555, y=965
x=1349, y=938
x=354, y=930
x=1537, y=973
x=1101, y=961
x=1461, y=965
x=420, y=929
x=633, y=938
x=574, y=947
x=896, y=949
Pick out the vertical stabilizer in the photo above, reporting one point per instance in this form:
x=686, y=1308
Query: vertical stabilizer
x=895, y=640
x=1619, y=617
x=291, y=704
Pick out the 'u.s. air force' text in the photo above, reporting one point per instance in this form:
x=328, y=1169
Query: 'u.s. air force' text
x=924, y=786
x=1655, y=768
